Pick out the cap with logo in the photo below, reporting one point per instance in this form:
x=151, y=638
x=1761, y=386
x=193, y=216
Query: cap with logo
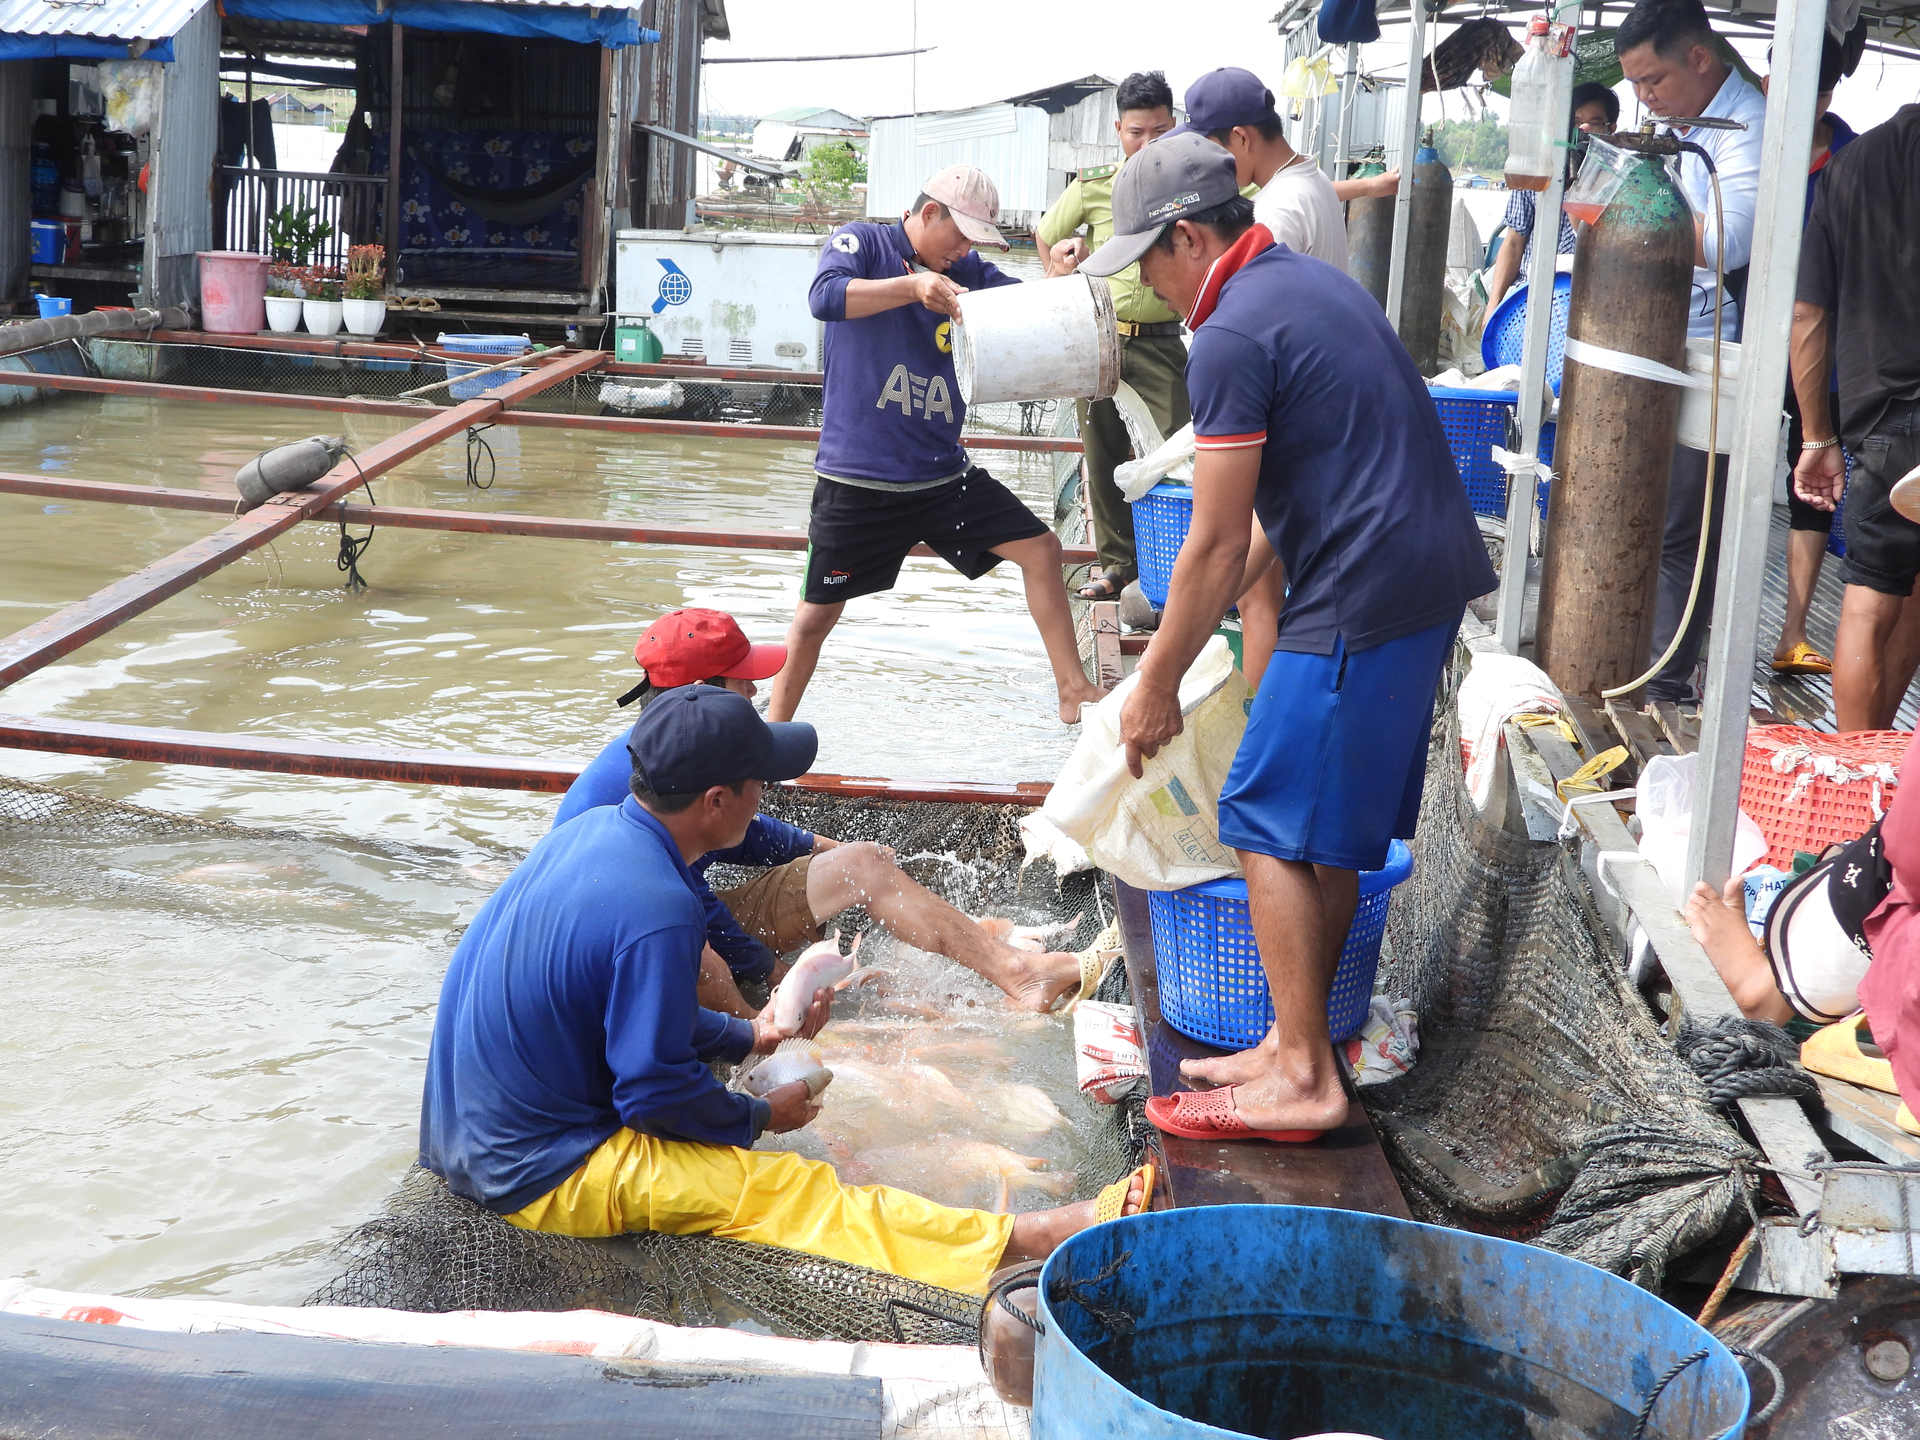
x=697, y=737
x=975, y=203
x=684, y=647
x=1178, y=175
x=1224, y=98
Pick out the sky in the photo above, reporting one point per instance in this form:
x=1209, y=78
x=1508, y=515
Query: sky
x=987, y=52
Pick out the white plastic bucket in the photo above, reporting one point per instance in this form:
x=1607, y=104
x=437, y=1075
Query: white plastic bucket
x=1695, y=399
x=1045, y=340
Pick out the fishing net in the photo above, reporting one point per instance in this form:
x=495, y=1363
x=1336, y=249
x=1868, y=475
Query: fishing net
x=47, y=811
x=1546, y=1105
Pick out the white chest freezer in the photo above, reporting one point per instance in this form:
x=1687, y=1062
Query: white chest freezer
x=735, y=297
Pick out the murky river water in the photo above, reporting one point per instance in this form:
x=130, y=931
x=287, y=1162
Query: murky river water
x=213, y=1049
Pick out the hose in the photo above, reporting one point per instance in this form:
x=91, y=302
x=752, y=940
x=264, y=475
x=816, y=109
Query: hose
x=1713, y=434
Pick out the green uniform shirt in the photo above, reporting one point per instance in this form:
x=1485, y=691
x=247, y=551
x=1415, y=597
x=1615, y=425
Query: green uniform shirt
x=1088, y=201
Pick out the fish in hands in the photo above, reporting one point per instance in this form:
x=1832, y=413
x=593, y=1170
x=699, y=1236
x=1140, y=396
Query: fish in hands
x=820, y=967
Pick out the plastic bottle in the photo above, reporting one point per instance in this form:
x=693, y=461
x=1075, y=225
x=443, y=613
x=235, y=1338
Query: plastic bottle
x=1531, y=125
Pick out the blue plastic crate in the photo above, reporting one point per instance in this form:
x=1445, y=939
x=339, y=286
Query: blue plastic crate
x=1161, y=518
x=1212, y=987
x=1475, y=422
x=1505, y=334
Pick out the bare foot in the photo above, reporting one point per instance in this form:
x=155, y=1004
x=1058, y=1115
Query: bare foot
x=1236, y=1069
x=1039, y=1233
x=1279, y=1101
x=1073, y=697
x=1035, y=981
x=1720, y=925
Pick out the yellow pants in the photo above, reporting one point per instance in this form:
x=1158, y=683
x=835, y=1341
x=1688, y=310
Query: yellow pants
x=639, y=1182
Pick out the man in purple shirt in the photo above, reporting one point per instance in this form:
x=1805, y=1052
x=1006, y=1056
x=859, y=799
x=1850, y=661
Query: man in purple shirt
x=892, y=472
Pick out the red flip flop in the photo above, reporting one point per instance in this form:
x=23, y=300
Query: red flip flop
x=1209, y=1115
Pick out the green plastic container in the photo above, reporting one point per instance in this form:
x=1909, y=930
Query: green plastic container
x=637, y=345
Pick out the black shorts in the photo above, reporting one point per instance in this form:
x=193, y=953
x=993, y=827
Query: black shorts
x=859, y=536
x=1883, y=546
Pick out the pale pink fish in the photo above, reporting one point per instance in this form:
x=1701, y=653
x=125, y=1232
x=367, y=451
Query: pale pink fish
x=1025, y=937
x=1020, y=1109
x=946, y=1170
x=791, y=1060
x=820, y=967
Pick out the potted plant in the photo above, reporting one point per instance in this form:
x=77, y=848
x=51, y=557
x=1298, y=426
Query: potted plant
x=321, y=308
x=364, y=308
x=283, y=297
x=293, y=234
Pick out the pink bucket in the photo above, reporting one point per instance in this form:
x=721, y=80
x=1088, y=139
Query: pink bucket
x=233, y=292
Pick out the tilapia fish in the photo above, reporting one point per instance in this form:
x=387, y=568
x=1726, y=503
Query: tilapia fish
x=959, y=1172
x=1025, y=937
x=791, y=1060
x=820, y=967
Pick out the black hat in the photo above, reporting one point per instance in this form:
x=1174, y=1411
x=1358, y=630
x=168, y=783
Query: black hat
x=700, y=736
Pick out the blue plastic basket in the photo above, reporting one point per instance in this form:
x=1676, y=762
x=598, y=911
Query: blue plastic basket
x=1211, y=985
x=495, y=348
x=1161, y=518
x=1506, y=330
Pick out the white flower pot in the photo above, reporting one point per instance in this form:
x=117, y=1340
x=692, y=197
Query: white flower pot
x=365, y=317
x=322, y=316
x=283, y=313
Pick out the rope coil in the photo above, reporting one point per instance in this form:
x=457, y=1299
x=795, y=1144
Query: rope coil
x=1742, y=1059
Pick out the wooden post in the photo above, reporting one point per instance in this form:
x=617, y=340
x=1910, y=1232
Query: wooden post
x=595, y=221
x=396, y=127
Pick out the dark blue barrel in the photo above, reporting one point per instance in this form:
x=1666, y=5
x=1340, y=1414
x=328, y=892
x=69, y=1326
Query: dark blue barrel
x=1284, y=1321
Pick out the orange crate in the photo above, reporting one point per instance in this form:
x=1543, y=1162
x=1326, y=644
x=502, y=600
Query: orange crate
x=1807, y=790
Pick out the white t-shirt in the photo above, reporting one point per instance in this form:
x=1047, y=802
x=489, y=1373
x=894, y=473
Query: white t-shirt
x=1298, y=205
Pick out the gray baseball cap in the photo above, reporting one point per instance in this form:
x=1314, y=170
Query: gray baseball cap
x=1176, y=176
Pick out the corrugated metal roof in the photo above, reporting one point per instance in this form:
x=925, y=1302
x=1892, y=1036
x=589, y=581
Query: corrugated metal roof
x=127, y=19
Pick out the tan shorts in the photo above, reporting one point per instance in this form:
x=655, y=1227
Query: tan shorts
x=772, y=907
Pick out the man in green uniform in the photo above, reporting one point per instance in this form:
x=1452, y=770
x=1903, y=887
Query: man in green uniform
x=1152, y=359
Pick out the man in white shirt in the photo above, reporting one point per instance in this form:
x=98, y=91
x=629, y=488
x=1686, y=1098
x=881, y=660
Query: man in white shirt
x=1296, y=202
x=1669, y=52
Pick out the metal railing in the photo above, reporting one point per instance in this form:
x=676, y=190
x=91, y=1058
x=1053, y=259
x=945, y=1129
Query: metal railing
x=349, y=203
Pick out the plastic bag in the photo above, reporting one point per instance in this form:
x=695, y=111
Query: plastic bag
x=1110, y=1061
x=1162, y=831
x=1665, y=807
x=131, y=90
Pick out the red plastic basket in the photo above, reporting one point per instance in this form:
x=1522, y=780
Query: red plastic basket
x=1799, y=808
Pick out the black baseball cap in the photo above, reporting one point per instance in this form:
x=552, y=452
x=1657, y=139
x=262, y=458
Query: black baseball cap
x=699, y=736
x=1177, y=175
x=1224, y=98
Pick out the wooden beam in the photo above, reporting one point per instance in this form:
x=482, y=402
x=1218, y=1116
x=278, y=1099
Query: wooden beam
x=425, y=767
x=535, y=419
x=400, y=517
x=65, y=631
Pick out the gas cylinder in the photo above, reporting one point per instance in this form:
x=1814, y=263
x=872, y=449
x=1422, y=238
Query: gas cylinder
x=1632, y=281
x=1430, y=219
x=1370, y=236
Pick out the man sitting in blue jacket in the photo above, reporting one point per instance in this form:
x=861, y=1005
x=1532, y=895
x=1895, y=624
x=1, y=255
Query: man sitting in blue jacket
x=568, y=1085
x=803, y=879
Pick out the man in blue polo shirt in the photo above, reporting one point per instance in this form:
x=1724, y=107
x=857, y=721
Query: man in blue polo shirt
x=1307, y=412
x=567, y=1083
x=892, y=472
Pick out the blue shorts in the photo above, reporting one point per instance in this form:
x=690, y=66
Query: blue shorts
x=1335, y=755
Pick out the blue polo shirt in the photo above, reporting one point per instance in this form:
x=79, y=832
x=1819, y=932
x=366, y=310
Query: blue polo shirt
x=568, y=1011
x=769, y=842
x=1358, y=490
x=891, y=410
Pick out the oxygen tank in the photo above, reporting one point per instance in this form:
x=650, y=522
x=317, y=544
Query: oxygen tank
x=1430, y=220
x=1370, y=237
x=1632, y=281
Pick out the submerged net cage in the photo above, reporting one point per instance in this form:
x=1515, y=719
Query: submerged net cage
x=1546, y=1105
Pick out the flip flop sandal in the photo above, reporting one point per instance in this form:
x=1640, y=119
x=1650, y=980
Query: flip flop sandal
x=1111, y=1203
x=1100, y=588
x=1209, y=1115
x=1803, y=659
x=1095, y=961
x=1835, y=1050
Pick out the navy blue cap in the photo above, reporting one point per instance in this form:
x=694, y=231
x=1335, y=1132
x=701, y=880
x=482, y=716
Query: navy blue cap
x=1224, y=98
x=700, y=736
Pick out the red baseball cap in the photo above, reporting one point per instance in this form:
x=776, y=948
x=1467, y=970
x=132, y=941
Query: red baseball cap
x=684, y=647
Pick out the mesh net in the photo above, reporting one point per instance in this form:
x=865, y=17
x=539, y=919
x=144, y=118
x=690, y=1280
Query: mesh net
x=1546, y=1104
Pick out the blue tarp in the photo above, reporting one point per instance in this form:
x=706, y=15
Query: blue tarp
x=76, y=47
x=614, y=29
